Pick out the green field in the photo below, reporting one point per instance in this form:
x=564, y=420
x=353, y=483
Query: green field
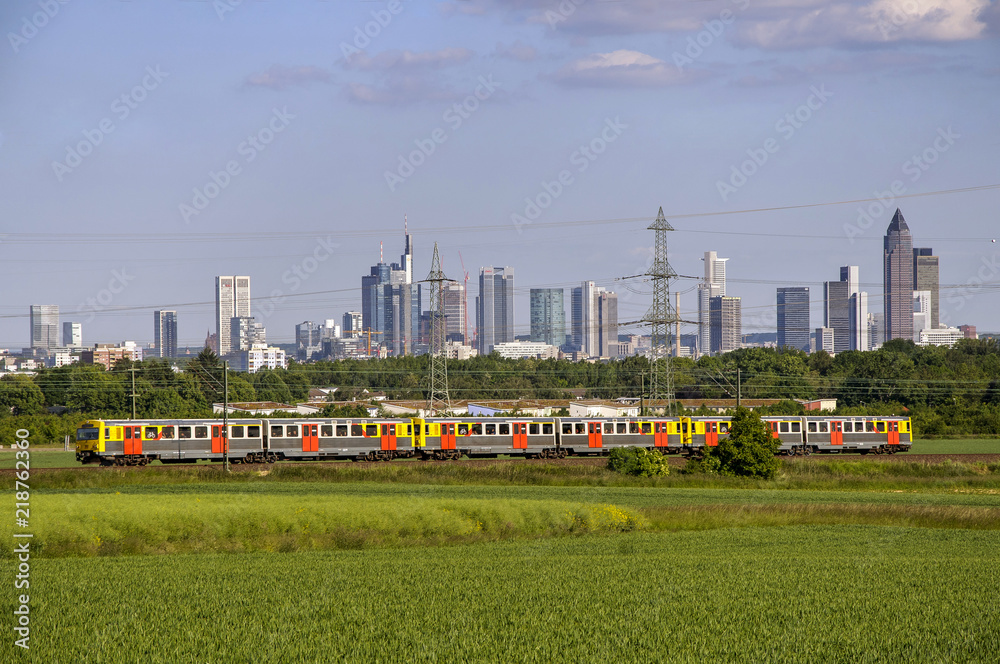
x=817, y=594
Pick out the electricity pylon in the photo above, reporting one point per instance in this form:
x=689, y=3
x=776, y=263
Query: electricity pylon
x=437, y=396
x=662, y=316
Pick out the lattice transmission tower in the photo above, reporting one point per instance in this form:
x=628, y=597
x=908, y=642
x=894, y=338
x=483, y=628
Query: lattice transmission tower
x=437, y=395
x=662, y=316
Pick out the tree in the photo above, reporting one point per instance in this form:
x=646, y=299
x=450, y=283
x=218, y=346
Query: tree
x=638, y=461
x=19, y=395
x=750, y=448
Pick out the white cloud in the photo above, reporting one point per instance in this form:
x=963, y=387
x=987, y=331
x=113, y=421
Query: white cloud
x=621, y=69
x=389, y=60
x=279, y=77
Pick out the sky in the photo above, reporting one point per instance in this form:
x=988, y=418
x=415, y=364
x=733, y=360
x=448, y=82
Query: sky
x=146, y=147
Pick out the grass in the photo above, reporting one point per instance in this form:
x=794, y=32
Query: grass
x=957, y=446
x=817, y=594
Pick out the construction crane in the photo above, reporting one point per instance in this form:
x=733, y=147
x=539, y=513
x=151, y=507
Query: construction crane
x=369, y=332
x=465, y=303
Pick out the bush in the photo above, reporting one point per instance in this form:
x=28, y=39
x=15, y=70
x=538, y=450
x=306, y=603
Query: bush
x=749, y=451
x=638, y=461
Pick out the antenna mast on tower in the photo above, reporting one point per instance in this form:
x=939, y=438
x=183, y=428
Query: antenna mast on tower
x=437, y=396
x=662, y=316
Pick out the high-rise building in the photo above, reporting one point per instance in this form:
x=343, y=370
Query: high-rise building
x=921, y=313
x=859, y=321
x=968, y=331
x=244, y=332
x=607, y=323
x=714, y=285
x=390, y=302
x=594, y=320
x=44, y=326
x=925, y=278
x=897, y=263
x=308, y=340
x=494, y=308
x=826, y=339
x=352, y=324
x=72, y=335
x=454, y=311
x=232, y=300
x=725, y=323
x=548, y=316
x=165, y=333
x=793, y=318
x=837, y=313
x=876, y=330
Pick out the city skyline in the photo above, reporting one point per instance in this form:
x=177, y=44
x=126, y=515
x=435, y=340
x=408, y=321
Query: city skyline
x=500, y=132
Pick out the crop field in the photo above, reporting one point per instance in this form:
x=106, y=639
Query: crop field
x=803, y=593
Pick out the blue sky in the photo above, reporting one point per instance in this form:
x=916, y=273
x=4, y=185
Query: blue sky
x=146, y=147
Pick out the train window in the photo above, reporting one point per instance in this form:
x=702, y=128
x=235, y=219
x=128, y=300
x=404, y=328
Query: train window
x=491, y=429
x=236, y=432
x=477, y=429
x=609, y=427
x=581, y=427
x=358, y=430
x=633, y=427
x=881, y=427
x=784, y=427
x=326, y=430
x=796, y=427
x=848, y=426
x=253, y=431
x=463, y=429
x=293, y=431
x=167, y=432
x=723, y=427
x=201, y=432
x=128, y=433
x=149, y=433
x=869, y=426
x=184, y=432
x=812, y=427
x=277, y=431
x=341, y=431
x=567, y=427
x=504, y=429
x=427, y=430
x=371, y=430
x=407, y=429
x=824, y=427
x=547, y=428
x=533, y=429
x=646, y=427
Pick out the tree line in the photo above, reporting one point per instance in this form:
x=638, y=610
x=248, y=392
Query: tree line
x=947, y=390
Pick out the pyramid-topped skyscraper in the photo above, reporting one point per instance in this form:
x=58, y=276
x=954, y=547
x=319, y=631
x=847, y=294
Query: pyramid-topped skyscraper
x=897, y=264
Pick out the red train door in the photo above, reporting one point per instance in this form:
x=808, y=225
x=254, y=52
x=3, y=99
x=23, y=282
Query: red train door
x=448, y=436
x=660, y=434
x=389, y=437
x=520, y=435
x=836, y=433
x=774, y=429
x=594, y=434
x=310, y=438
x=133, y=440
x=218, y=439
x=712, y=433
x=893, y=431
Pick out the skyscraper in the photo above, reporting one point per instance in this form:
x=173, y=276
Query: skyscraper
x=390, y=302
x=454, y=311
x=352, y=324
x=925, y=278
x=607, y=323
x=793, y=318
x=594, y=320
x=548, y=316
x=165, y=333
x=837, y=313
x=72, y=335
x=244, y=332
x=725, y=324
x=714, y=285
x=494, y=308
x=897, y=263
x=44, y=326
x=232, y=299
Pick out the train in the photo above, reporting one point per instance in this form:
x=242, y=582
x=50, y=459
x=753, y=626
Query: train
x=138, y=442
